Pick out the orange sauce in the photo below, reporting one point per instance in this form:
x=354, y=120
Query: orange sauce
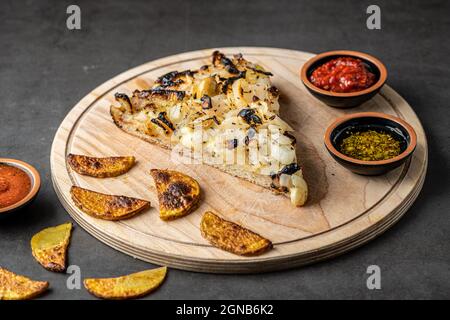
x=15, y=184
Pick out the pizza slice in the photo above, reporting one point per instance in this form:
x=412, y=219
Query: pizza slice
x=225, y=114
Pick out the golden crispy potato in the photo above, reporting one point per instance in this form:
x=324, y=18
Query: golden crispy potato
x=17, y=287
x=107, y=207
x=126, y=287
x=49, y=247
x=178, y=194
x=232, y=237
x=100, y=167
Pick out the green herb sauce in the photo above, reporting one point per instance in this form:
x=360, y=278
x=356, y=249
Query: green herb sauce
x=370, y=146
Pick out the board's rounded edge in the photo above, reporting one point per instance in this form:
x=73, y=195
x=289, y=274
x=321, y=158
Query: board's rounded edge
x=294, y=262
x=266, y=266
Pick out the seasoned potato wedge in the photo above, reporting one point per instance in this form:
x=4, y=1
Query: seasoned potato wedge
x=178, y=194
x=232, y=237
x=107, y=207
x=17, y=287
x=100, y=167
x=49, y=247
x=127, y=287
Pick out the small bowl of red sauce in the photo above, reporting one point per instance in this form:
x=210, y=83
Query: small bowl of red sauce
x=19, y=184
x=343, y=78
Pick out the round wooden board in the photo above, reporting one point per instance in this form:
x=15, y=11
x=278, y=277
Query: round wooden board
x=344, y=210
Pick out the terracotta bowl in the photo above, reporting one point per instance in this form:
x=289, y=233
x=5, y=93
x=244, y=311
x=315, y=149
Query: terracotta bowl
x=363, y=121
x=338, y=99
x=35, y=184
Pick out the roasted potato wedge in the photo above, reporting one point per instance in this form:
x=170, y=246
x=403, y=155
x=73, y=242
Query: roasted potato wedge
x=17, y=287
x=49, y=247
x=178, y=194
x=107, y=207
x=232, y=237
x=126, y=287
x=100, y=167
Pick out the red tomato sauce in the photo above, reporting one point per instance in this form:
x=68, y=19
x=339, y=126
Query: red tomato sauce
x=344, y=74
x=15, y=184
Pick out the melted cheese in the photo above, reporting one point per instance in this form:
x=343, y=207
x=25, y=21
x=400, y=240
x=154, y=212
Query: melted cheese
x=221, y=131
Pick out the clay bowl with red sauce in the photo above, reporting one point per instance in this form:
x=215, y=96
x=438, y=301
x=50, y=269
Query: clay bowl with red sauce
x=364, y=121
x=360, y=94
x=29, y=194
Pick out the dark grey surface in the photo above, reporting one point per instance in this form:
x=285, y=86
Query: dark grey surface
x=45, y=69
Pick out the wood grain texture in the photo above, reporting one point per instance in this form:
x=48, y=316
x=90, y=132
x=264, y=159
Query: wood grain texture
x=344, y=210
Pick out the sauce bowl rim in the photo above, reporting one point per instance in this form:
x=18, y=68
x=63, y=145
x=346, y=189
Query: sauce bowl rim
x=344, y=53
x=35, y=177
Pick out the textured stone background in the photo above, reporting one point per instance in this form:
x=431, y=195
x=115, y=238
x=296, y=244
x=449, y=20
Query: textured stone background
x=45, y=69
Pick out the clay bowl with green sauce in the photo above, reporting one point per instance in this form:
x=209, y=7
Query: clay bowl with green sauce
x=356, y=123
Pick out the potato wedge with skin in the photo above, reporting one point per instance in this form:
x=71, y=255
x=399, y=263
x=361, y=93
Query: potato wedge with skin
x=17, y=287
x=232, y=237
x=105, y=206
x=49, y=247
x=178, y=194
x=130, y=286
x=100, y=167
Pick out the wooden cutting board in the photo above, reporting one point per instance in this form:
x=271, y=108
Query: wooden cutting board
x=344, y=210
